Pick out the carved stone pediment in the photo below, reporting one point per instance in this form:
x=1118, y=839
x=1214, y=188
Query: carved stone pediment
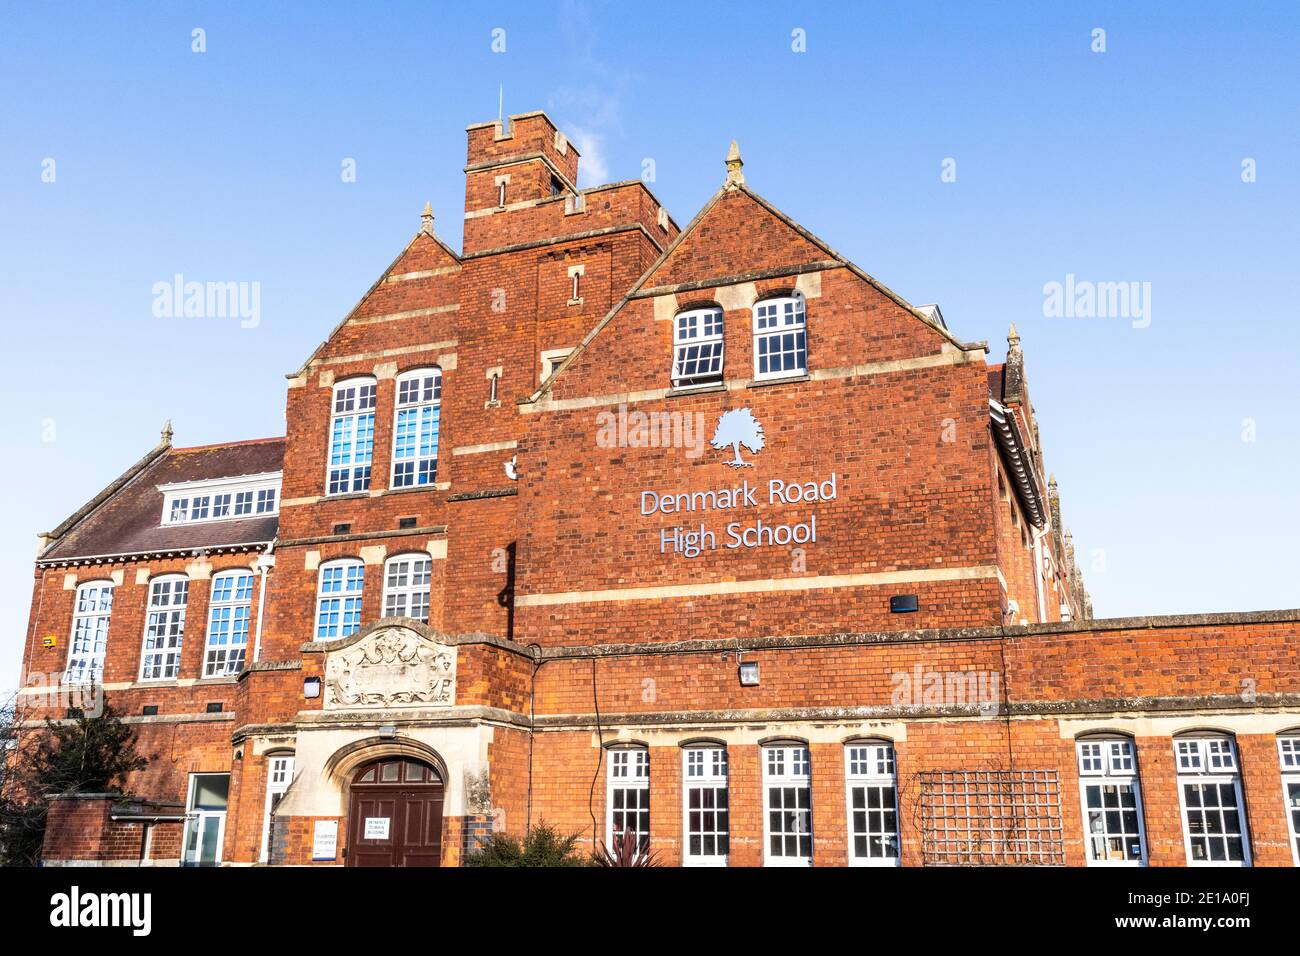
x=392, y=666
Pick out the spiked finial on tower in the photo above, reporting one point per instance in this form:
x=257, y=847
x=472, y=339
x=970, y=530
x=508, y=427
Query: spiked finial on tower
x=734, y=176
x=426, y=219
x=167, y=433
x=1013, y=337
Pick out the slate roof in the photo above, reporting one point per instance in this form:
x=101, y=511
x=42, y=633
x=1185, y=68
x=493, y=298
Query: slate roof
x=126, y=517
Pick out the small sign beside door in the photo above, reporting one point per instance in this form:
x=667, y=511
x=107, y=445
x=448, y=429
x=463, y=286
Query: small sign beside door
x=325, y=840
x=376, y=828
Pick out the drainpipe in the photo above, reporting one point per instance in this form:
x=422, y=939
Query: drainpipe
x=265, y=562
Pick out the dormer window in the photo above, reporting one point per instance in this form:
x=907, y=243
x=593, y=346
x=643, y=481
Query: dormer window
x=780, y=338
x=221, y=499
x=697, y=347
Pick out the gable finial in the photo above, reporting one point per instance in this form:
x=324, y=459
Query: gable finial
x=167, y=433
x=734, y=163
x=1013, y=337
x=426, y=219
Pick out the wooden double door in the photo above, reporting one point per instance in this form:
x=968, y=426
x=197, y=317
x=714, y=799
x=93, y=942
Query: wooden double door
x=395, y=814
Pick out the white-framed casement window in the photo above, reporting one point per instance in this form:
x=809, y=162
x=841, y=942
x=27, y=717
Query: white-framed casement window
x=416, y=426
x=706, y=819
x=90, y=617
x=205, y=819
x=1209, y=792
x=352, y=436
x=338, y=598
x=627, y=795
x=220, y=499
x=697, y=347
x=787, y=806
x=164, y=630
x=872, y=803
x=1288, y=753
x=279, y=774
x=1111, y=800
x=780, y=337
x=230, y=609
x=406, y=586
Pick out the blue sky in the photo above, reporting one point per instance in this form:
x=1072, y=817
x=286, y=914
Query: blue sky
x=1117, y=166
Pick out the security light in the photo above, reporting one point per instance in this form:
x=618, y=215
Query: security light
x=749, y=674
x=311, y=687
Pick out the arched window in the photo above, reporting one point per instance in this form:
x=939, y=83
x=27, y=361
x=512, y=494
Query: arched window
x=90, y=617
x=352, y=436
x=338, y=598
x=164, y=630
x=229, y=611
x=787, y=805
x=406, y=586
x=415, y=428
x=628, y=796
x=1111, y=800
x=705, y=806
x=1288, y=752
x=697, y=347
x=872, y=803
x=1209, y=790
x=780, y=337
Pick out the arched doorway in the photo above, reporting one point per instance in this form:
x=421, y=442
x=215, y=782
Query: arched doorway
x=395, y=814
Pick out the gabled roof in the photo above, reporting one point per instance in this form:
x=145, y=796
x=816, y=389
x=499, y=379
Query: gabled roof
x=830, y=259
x=126, y=517
x=425, y=233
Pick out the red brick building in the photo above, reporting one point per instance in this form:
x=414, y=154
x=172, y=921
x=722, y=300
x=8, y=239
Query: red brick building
x=701, y=533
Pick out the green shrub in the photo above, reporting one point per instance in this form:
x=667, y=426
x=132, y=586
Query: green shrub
x=541, y=846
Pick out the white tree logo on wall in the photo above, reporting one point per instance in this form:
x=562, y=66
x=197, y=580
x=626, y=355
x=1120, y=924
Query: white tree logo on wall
x=735, y=428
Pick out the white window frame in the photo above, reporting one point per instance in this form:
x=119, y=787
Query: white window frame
x=407, y=590
x=195, y=821
x=224, y=620
x=1203, y=759
x=88, y=637
x=695, y=329
x=198, y=502
x=704, y=768
x=422, y=465
x=787, y=767
x=869, y=765
x=628, y=771
x=279, y=774
x=345, y=595
x=552, y=359
x=1109, y=761
x=1288, y=756
x=778, y=316
x=164, y=627
x=352, y=427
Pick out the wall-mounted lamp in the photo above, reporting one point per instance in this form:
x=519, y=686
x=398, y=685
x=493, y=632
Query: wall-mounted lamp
x=388, y=730
x=311, y=687
x=748, y=673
